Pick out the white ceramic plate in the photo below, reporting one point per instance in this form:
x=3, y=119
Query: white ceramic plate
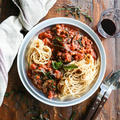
x=21, y=61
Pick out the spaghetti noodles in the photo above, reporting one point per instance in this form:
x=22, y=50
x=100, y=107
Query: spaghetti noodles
x=38, y=53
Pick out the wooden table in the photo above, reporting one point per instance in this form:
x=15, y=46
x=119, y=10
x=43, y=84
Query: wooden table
x=20, y=105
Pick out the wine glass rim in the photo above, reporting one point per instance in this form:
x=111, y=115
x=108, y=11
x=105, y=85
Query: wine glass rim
x=108, y=10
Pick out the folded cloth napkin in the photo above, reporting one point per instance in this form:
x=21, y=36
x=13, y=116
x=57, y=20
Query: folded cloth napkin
x=31, y=12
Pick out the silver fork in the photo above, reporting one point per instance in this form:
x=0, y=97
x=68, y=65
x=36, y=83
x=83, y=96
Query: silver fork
x=110, y=83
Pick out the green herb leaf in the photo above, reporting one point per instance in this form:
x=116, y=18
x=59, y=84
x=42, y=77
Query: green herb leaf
x=78, y=12
x=87, y=16
x=51, y=77
x=79, y=41
x=42, y=72
x=34, y=118
x=72, y=115
x=75, y=11
x=53, y=86
x=60, y=9
x=58, y=39
x=69, y=67
x=69, y=9
x=66, y=14
x=57, y=65
x=7, y=94
x=56, y=42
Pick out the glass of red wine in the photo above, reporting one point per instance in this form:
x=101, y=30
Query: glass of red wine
x=109, y=24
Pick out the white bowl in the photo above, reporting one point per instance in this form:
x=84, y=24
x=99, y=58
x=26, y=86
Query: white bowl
x=21, y=61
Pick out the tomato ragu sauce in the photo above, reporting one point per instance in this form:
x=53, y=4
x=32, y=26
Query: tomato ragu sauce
x=67, y=44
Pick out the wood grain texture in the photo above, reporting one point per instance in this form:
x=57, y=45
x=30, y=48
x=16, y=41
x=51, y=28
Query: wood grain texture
x=20, y=101
x=117, y=53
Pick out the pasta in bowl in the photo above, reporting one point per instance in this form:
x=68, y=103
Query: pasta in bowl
x=62, y=63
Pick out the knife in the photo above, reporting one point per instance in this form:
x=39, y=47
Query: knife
x=110, y=83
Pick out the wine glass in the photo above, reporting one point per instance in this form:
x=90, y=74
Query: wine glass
x=109, y=23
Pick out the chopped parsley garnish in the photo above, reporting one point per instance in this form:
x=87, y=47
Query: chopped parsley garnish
x=70, y=67
x=56, y=42
x=58, y=39
x=43, y=72
x=57, y=65
x=79, y=41
x=51, y=77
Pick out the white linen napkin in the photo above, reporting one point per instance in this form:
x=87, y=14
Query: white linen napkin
x=31, y=12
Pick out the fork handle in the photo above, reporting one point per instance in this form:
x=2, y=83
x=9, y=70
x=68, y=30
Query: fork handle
x=103, y=101
x=96, y=108
x=93, y=109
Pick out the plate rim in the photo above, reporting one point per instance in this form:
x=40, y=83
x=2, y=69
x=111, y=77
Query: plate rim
x=35, y=30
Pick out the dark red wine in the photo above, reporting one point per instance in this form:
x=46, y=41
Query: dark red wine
x=108, y=26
